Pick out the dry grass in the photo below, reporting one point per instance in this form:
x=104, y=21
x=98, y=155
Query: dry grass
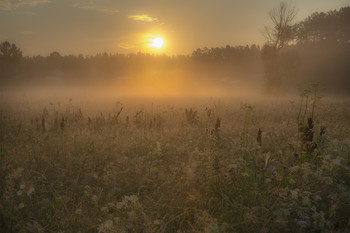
x=211, y=166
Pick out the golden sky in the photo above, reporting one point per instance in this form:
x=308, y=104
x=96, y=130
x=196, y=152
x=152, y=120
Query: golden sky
x=89, y=27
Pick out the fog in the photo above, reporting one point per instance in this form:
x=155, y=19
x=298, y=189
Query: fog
x=315, y=50
x=237, y=138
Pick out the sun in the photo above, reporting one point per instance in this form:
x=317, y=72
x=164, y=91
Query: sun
x=156, y=42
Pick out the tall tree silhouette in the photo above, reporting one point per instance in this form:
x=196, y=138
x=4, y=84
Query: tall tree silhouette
x=282, y=30
x=277, y=61
x=333, y=27
x=10, y=57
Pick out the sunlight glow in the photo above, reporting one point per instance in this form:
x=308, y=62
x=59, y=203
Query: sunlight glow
x=156, y=42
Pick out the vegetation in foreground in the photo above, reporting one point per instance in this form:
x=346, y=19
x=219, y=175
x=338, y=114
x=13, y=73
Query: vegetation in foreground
x=217, y=166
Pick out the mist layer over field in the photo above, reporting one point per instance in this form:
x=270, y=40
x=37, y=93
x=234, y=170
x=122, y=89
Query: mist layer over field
x=225, y=139
x=104, y=163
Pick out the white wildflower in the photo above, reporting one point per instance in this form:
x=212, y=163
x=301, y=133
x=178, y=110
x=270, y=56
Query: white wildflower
x=111, y=204
x=306, y=201
x=94, y=197
x=78, y=211
x=131, y=198
x=286, y=212
x=159, y=148
x=336, y=162
x=293, y=169
x=157, y=222
x=30, y=191
x=131, y=214
x=327, y=180
x=107, y=226
x=279, y=178
x=16, y=173
x=121, y=205
x=21, y=205
x=294, y=194
x=94, y=175
x=307, y=193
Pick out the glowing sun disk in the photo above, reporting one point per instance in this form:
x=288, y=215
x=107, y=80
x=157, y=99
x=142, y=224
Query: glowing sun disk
x=156, y=42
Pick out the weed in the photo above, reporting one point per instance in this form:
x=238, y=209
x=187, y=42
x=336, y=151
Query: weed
x=175, y=169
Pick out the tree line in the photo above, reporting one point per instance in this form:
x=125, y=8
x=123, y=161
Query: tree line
x=203, y=65
x=316, y=49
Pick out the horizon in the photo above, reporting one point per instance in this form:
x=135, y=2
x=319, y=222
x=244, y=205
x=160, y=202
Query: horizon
x=90, y=27
x=174, y=116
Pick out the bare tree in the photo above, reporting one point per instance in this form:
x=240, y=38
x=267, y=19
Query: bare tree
x=282, y=30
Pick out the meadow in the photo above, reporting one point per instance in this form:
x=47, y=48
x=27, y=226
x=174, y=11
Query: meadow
x=175, y=165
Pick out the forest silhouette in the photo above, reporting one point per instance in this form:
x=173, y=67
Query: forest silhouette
x=316, y=49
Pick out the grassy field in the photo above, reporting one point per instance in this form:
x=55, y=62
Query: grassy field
x=174, y=166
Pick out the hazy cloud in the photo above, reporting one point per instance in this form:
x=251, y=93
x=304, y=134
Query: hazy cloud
x=9, y=5
x=27, y=33
x=126, y=46
x=28, y=13
x=92, y=6
x=145, y=18
x=107, y=10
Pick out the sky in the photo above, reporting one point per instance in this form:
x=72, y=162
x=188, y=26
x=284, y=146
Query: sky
x=88, y=27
